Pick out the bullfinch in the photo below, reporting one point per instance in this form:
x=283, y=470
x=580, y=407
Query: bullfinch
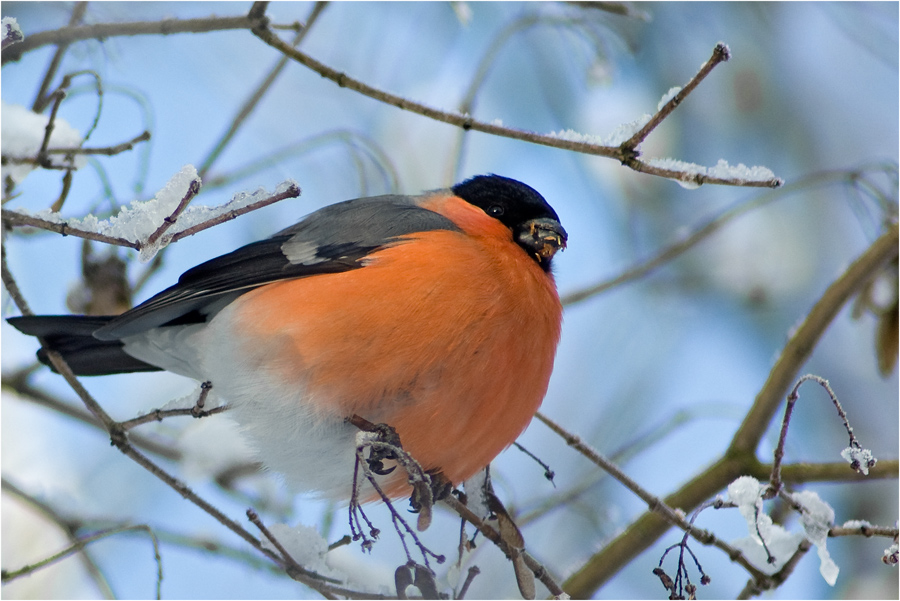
x=435, y=314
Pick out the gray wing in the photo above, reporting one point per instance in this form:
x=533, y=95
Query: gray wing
x=331, y=240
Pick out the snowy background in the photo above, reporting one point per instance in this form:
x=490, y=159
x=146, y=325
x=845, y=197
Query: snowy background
x=658, y=372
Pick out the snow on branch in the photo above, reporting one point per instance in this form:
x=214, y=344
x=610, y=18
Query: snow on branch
x=625, y=151
x=12, y=33
x=148, y=226
x=28, y=137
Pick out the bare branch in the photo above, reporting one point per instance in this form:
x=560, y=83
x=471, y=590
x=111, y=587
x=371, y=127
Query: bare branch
x=720, y=54
x=105, y=150
x=626, y=154
x=264, y=86
x=805, y=337
x=540, y=572
x=79, y=545
x=41, y=98
x=775, y=482
x=68, y=527
x=866, y=530
x=740, y=458
x=99, y=31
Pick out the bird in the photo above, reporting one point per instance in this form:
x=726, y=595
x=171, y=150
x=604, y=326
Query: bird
x=436, y=314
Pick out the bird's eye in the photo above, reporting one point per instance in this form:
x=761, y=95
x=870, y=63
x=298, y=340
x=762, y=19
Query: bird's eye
x=496, y=211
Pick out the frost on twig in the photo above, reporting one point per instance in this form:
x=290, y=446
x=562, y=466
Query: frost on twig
x=770, y=546
x=626, y=151
x=817, y=516
x=891, y=555
x=148, y=226
x=860, y=459
x=691, y=175
x=12, y=33
x=629, y=136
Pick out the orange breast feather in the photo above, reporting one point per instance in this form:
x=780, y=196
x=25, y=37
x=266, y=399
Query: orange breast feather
x=448, y=337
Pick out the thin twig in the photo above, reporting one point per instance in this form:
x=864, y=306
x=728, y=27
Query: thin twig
x=161, y=414
x=9, y=282
x=103, y=150
x=866, y=530
x=549, y=474
x=540, y=572
x=68, y=527
x=627, y=156
x=40, y=101
x=655, y=504
x=775, y=482
x=14, y=219
x=470, y=577
x=25, y=391
x=170, y=220
x=58, y=96
x=79, y=545
x=740, y=457
x=102, y=31
x=291, y=192
x=705, y=230
x=253, y=100
x=720, y=54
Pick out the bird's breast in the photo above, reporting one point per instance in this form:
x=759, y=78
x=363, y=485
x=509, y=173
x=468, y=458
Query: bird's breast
x=447, y=337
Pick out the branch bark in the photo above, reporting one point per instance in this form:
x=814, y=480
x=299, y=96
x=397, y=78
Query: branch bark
x=99, y=31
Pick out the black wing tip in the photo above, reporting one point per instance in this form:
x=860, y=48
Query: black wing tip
x=50, y=325
x=72, y=336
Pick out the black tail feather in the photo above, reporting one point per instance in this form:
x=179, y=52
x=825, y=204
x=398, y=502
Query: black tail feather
x=72, y=337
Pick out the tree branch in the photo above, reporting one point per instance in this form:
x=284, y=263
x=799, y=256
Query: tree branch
x=806, y=336
x=740, y=458
x=67, y=35
x=624, y=153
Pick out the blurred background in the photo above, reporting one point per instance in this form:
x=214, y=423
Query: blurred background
x=656, y=373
